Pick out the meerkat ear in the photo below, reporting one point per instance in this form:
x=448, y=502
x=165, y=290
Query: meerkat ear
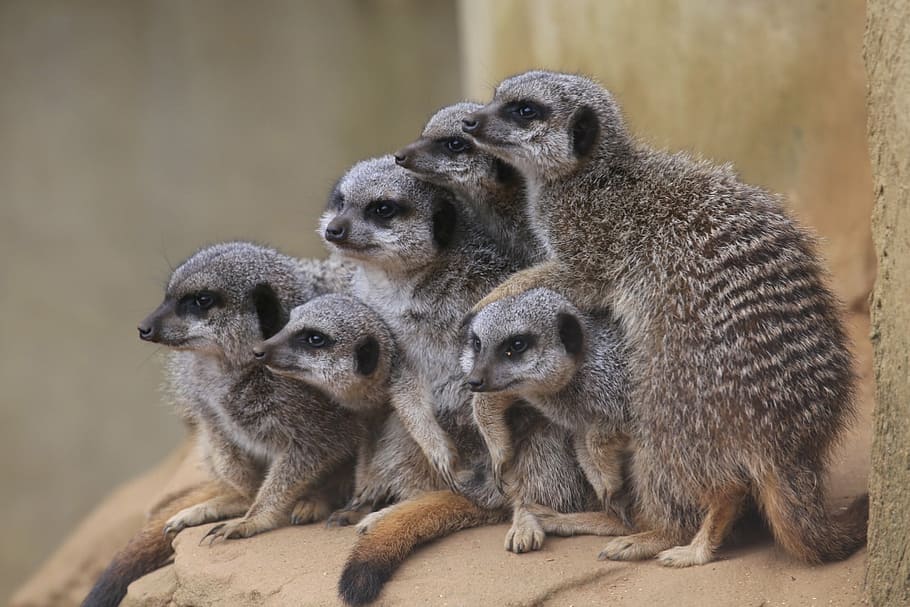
x=366, y=356
x=268, y=309
x=584, y=128
x=444, y=218
x=570, y=333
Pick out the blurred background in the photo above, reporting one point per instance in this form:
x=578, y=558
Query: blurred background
x=131, y=133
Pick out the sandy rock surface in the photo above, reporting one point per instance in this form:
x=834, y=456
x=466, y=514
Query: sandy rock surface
x=300, y=565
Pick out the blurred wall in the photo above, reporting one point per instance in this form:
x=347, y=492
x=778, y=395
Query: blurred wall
x=130, y=134
x=775, y=86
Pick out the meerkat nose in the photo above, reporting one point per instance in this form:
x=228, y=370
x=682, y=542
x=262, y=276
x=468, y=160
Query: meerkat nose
x=145, y=332
x=476, y=384
x=336, y=231
x=469, y=123
x=259, y=353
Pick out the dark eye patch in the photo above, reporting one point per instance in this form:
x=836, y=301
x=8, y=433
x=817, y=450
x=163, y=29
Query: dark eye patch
x=524, y=111
x=312, y=339
x=383, y=211
x=455, y=145
x=199, y=303
x=515, y=346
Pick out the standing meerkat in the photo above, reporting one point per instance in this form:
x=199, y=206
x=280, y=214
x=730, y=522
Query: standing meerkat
x=496, y=192
x=538, y=347
x=741, y=377
x=421, y=263
x=218, y=304
x=344, y=348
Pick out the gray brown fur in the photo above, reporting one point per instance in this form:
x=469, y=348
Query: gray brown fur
x=352, y=360
x=274, y=441
x=494, y=189
x=538, y=347
x=740, y=370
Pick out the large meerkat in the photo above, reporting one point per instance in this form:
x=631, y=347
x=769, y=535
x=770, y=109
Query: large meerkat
x=422, y=261
x=495, y=190
x=741, y=377
x=344, y=348
x=268, y=442
x=538, y=347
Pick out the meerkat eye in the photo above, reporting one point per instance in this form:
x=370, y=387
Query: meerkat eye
x=515, y=346
x=312, y=339
x=204, y=300
x=383, y=209
x=526, y=111
x=317, y=340
x=456, y=145
x=475, y=343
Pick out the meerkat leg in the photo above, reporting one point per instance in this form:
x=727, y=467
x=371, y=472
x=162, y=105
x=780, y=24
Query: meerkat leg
x=228, y=505
x=285, y=482
x=489, y=414
x=601, y=452
x=417, y=416
x=722, y=513
x=526, y=533
x=578, y=523
x=519, y=282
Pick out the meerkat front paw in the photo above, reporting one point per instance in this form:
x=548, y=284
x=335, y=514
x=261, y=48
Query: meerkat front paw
x=619, y=505
x=239, y=529
x=525, y=535
x=501, y=460
x=308, y=511
x=684, y=556
x=193, y=516
x=445, y=462
x=345, y=518
x=369, y=521
x=635, y=547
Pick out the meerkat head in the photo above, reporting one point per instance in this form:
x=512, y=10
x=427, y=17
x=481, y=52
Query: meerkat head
x=337, y=343
x=380, y=214
x=445, y=156
x=531, y=343
x=223, y=300
x=548, y=124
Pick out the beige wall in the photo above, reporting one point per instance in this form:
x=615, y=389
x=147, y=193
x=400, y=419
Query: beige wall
x=775, y=86
x=130, y=134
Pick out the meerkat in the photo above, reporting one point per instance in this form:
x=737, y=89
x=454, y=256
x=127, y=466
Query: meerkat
x=422, y=261
x=443, y=155
x=344, y=348
x=218, y=305
x=741, y=379
x=538, y=347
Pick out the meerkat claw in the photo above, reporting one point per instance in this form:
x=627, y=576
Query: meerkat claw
x=214, y=533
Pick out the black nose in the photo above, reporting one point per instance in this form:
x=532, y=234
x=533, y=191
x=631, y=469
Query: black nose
x=470, y=123
x=475, y=383
x=145, y=333
x=401, y=157
x=259, y=353
x=336, y=231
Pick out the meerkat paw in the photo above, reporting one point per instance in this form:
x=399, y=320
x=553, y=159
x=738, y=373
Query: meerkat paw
x=525, y=535
x=446, y=465
x=685, y=556
x=233, y=530
x=369, y=521
x=193, y=516
x=345, y=518
x=635, y=547
x=308, y=511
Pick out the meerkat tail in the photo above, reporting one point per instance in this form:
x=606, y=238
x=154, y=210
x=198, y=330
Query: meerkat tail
x=148, y=550
x=379, y=552
x=801, y=523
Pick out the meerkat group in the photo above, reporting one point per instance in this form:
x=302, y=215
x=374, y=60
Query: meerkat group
x=526, y=314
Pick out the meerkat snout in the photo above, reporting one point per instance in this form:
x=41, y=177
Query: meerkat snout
x=403, y=155
x=146, y=333
x=261, y=353
x=476, y=382
x=337, y=230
